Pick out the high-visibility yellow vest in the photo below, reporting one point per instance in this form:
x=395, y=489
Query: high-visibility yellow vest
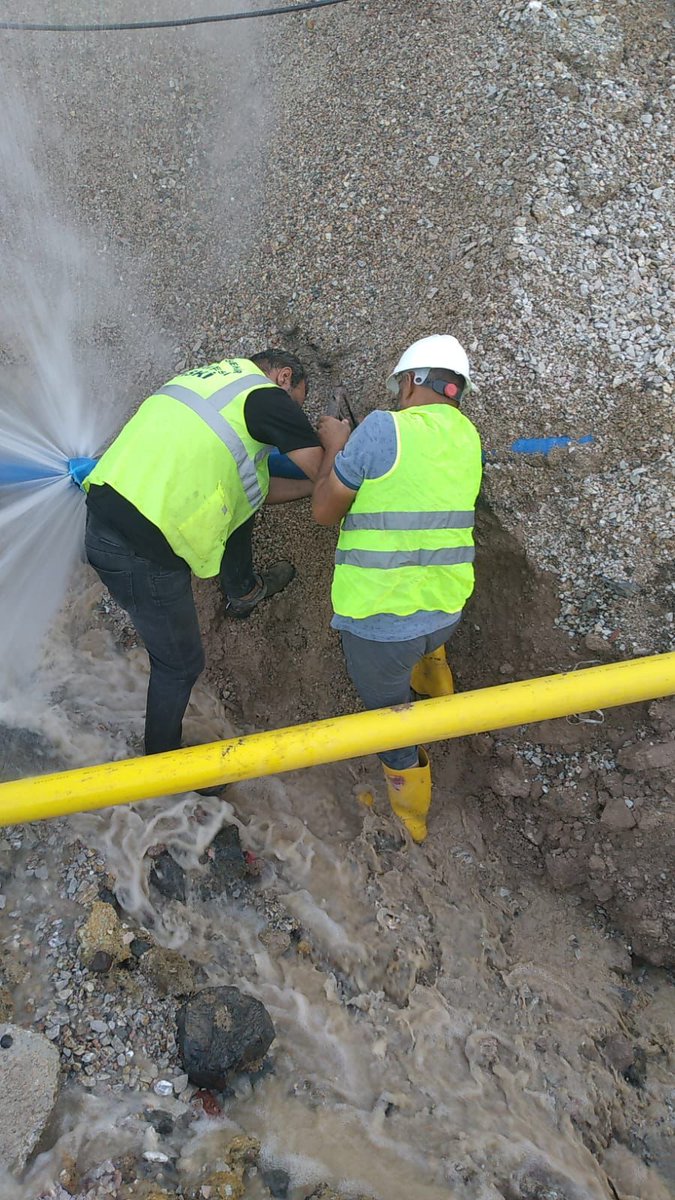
x=187, y=462
x=406, y=544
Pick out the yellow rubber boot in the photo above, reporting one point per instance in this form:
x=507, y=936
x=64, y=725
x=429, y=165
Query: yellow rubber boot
x=410, y=795
x=432, y=676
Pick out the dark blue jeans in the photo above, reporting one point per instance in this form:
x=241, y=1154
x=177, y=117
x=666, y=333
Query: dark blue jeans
x=161, y=606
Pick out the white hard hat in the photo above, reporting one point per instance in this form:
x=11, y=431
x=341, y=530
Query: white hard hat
x=439, y=350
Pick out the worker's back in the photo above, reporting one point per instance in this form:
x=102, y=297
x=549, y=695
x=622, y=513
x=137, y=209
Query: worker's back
x=187, y=462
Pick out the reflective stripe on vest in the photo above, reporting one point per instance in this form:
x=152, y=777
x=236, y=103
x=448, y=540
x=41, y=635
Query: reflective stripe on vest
x=188, y=463
x=408, y=520
x=386, y=560
x=406, y=544
x=208, y=409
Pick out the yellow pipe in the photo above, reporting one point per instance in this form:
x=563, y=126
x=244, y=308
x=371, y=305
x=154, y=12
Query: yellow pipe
x=338, y=738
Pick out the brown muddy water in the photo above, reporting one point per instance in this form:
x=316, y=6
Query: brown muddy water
x=439, y=1033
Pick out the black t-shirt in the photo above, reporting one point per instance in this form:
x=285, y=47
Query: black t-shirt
x=272, y=417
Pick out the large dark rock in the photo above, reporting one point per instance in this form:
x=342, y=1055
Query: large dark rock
x=168, y=877
x=223, y=868
x=220, y=1031
x=225, y=864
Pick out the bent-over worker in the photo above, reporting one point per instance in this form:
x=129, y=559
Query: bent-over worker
x=177, y=492
x=403, y=486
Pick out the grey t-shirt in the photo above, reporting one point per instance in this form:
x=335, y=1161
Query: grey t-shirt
x=369, y=454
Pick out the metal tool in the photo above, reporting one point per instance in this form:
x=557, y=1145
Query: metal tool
x=338, y=406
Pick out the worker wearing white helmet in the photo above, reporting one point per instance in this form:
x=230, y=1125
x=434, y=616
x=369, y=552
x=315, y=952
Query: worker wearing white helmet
x=403, y=485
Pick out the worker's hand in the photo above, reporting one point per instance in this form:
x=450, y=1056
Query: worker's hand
x=333, y=434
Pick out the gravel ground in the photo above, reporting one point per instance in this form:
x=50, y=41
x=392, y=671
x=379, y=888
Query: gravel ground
x=342, y=183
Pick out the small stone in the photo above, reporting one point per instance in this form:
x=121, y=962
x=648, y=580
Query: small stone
x=602, y=889
x=169, y=972
x=623, y=588
x=207, y=1102
x=619, y=1052
x=510, y=781
x=243, y=1151
x=101, y=962
x=276, y=941
x=162, y=1122
x=278, y=1181
x=596, y=643
x=180, y=1083
x=223, y=1185
x=139, y=947
x=107, y=895
x=168, y=877
x=642, y=756
x=102, y=931
x=69, y=1175
x=567, y=90
x=162, y=1087
x=615, y=815
x=564, y=869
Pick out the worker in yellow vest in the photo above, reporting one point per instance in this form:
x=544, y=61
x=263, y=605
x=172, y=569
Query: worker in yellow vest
x=403, y=486
x=177, y=492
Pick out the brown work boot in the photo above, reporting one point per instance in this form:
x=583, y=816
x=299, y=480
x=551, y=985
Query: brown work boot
x=270, y=582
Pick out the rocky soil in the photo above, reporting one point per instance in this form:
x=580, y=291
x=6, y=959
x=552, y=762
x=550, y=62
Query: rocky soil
x=353, y=179
x=512, y=186
x=545, y=995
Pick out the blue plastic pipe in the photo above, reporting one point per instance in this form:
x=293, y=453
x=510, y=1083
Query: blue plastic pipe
x=280, y=465
x=545, y=445
x=283, y=467
x=79, y=468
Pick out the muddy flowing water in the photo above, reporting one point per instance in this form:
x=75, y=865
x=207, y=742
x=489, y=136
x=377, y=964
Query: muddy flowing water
x=437, y=1035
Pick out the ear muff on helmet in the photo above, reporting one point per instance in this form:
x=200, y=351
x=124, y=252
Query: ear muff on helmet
x=449, y=390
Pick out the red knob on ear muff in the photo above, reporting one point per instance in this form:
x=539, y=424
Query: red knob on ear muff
x=451, y=391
